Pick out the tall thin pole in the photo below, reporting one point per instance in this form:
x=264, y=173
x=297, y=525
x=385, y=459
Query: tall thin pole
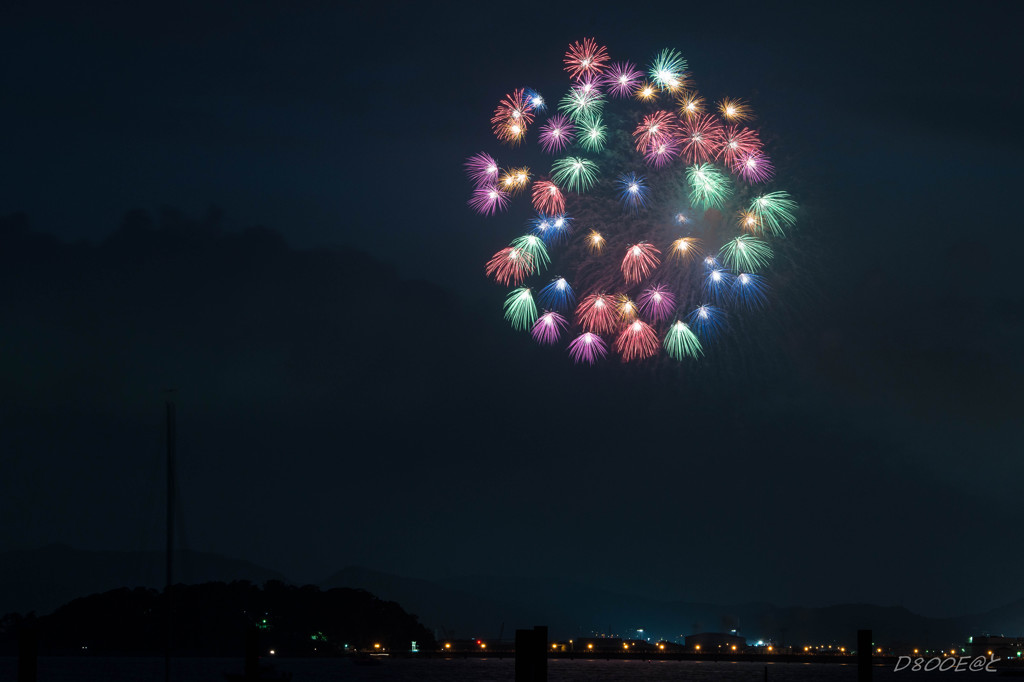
x=170, y=536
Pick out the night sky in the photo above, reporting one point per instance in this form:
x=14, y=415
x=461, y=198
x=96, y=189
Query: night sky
x=262, y=205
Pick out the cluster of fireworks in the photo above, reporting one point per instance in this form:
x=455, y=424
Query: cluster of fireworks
x=685, y=176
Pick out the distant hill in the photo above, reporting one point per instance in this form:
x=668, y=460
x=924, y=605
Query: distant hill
x=211, y=619
x=483, y=606
x=41, y=580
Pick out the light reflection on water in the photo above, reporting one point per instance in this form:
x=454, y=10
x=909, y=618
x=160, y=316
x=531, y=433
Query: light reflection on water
x=86, y=669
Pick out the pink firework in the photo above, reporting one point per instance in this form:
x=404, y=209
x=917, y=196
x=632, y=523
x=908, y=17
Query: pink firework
x=662, y=154
x=488, y=199
x=656, y=303
x=589, y=83
x=510, y=266
x=640, y=259
x=702, y=138
x=637, y=341
x=588, y=348
x=548, y=328
x=736, y=142
x=657, y=128
x=547, y=198
x=621, y=79
x=753, y=167
x=596, y=313
x=482, y=169
x=556, y=134
x=586, y=58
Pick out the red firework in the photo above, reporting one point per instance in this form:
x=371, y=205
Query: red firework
x=702, y=138
x=586, y=58
x=637, y=341
x=514, y=111
x=547, y=198
x=658, y=128
x=737, y=142
x=596, y=313
x=510, y=265
x=639, y=261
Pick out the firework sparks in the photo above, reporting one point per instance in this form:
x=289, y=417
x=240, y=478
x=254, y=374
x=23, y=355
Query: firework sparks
x=708, y=186
x=488, y=199
x=557, y=295
x=637, y=341
x=556, y=134
x=775, y=211
x=548, y=328
x=520, y=310
x=657, y=303
x=633, y=191
x=596, y=313
x=680, y=342
x=509, y=266
x=574, y=173
x=547, y=198
x=482, y=169
x=640, y=259
x=622, y=78
x=586, y=58
x=588, y=348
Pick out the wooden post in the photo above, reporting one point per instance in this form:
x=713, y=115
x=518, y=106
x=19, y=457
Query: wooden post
x=864, y=670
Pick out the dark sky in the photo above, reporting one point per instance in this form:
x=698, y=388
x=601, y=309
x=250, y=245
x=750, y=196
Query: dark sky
x=263, y=206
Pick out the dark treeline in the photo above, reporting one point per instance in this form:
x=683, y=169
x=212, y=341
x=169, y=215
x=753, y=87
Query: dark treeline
x=212, y=620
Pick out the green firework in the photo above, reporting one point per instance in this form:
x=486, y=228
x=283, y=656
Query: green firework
x=774, y=211
x=708, y=186
x=591, y=134
x=574, y=173
x=520, y=310
x=746, y=254
x=578, y=104
x=667, y=68
x=680, y=341
x=535, y=247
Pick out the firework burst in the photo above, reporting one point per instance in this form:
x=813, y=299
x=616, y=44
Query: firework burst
x=667, y=69
x=509, y=266
x=558, y=295
x=685, y=249
x=734, y=110
x=520, y=310
x=622, y=78
x=547, y=198
x=548, y=328
x=637, y=341
x=709, y=187
x=633, y=191
x=482, y=169
x=640, y=259
x=657, y=303
x=588, y=348
x=775, y=211
x=574, y=173
x=702, y=138
x=753, y=167
x=657, y=128
x=488, y=199
x=596, y=313
x=680, y=342
x=556, y=134
x=586, y=58
x=746, y=254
